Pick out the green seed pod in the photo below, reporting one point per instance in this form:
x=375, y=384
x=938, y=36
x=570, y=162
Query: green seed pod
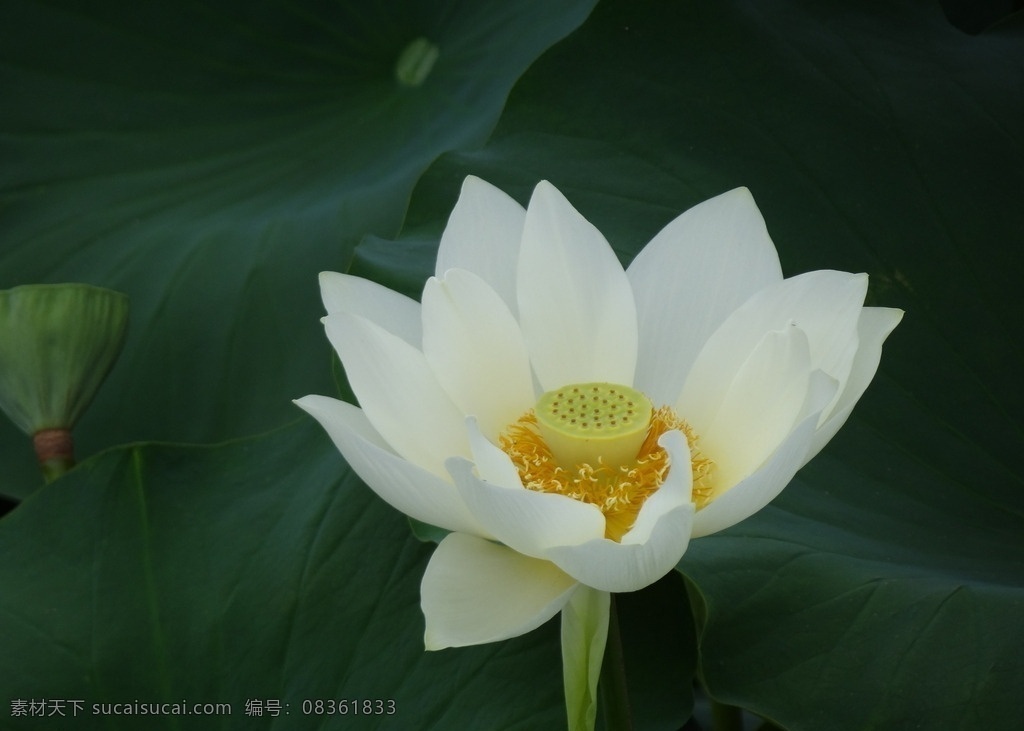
x=57, y=344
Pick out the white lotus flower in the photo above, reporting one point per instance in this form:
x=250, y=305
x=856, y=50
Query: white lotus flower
x=700, y=381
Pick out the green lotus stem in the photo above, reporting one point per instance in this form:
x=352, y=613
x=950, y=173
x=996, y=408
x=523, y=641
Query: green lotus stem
x=55, y=449
x=614, y=690
x=725, y=717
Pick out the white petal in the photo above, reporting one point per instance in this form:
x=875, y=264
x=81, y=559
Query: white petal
x=821, y=390
x=474, y=591
x=492, y=464
x=576, y=307
x=873, y=328
x=609, y=566
x=758, y=409
x=398, y=392
x=655, y=543
x=527, y=521
x=753, y=493
x=690, y=278
x=401, y=484
x=673, y=493
x=571, y=533
x=824, y=304
x=482, y=236
x=393, y=311
x=476, y=350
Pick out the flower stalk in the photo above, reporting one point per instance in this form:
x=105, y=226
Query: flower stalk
x=725, y=717
x=584, y=634
x=613, y=688
x=55, y=450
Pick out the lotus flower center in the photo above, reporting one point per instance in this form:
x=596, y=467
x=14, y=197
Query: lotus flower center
x=598, y=443
x=594, y=422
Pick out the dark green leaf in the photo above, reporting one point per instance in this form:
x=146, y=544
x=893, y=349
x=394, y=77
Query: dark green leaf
x=258, y=570
x=209, y=160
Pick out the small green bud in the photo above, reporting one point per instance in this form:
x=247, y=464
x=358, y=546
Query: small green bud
x=57, y=344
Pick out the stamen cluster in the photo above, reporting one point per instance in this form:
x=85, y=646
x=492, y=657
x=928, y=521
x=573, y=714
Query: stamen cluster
x=618, y=490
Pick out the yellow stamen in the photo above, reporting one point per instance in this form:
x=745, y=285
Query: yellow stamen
x=618, y=486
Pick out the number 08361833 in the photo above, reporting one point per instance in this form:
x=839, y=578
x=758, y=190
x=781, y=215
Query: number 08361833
x=349, y=707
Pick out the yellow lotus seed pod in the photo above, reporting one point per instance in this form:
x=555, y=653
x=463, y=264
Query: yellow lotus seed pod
x=591, y=422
